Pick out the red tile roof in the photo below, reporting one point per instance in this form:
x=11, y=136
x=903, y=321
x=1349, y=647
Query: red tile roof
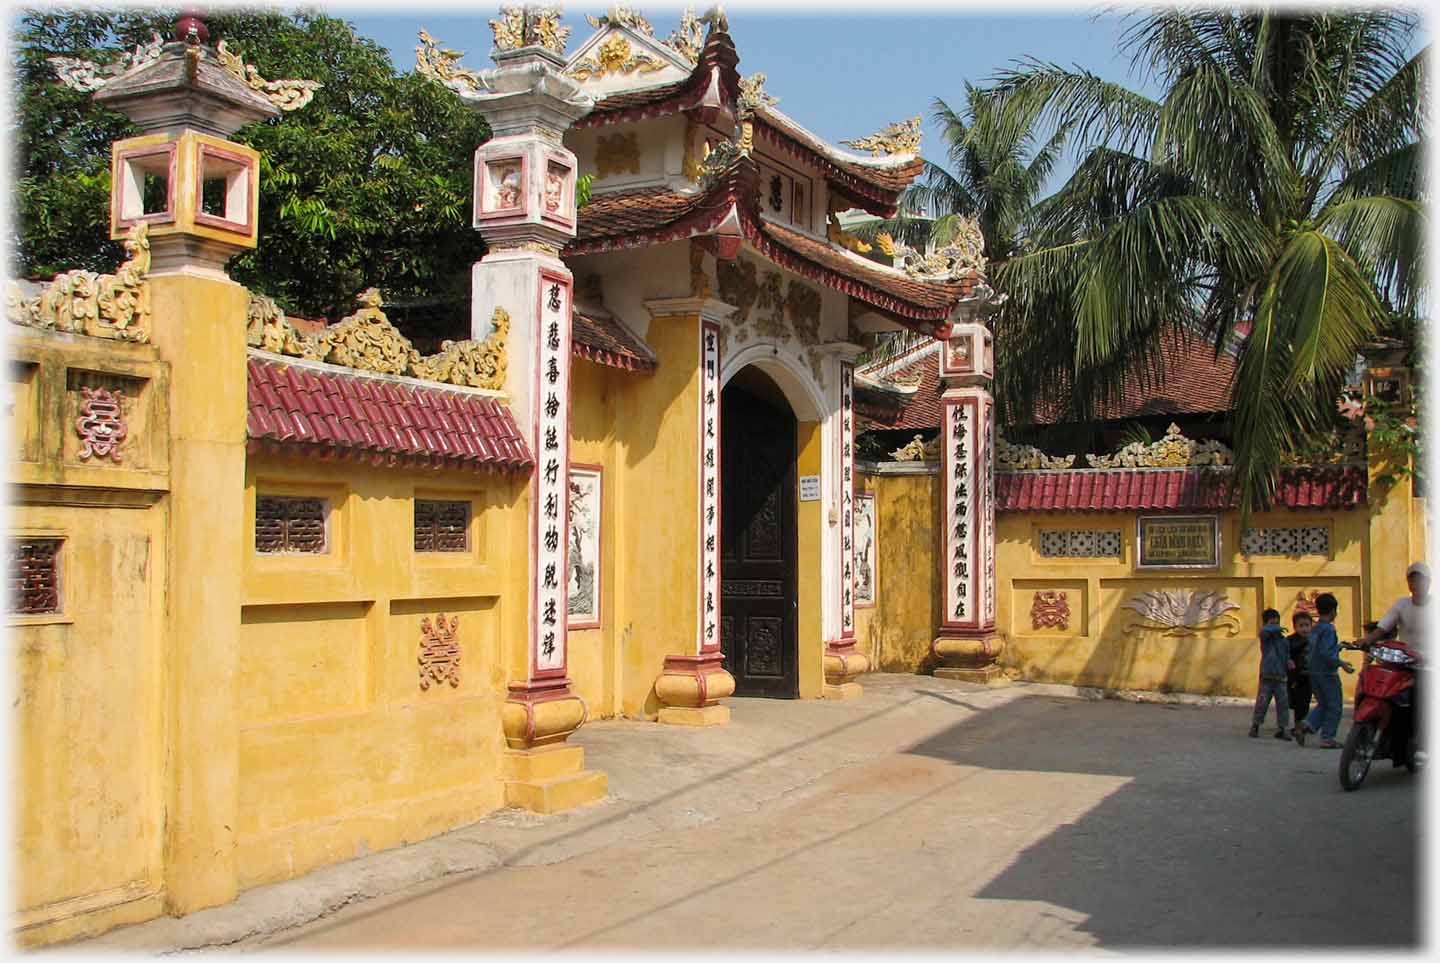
x=600, y=338
x=874, y=187
x=1168, y=489
x=717, y=58
x=654, y=215
x=1194, y=382
x=337, y=414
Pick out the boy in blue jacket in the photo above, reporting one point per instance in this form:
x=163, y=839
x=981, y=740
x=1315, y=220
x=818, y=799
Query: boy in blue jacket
x=1324, y=662
x=1274, y=661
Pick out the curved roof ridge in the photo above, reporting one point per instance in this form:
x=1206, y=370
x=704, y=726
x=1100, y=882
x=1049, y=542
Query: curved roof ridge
x=823, y=146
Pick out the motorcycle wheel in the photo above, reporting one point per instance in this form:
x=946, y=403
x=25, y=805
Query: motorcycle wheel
x=1355, y=757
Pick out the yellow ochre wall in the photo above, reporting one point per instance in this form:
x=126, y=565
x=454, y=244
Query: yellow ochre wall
x=1369, y=547
x=89, y=715
x=1102, y=647
x=340, y=750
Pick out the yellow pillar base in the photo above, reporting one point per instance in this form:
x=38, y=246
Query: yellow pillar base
x=716, y=715
x=550, y=779
x=844, y=692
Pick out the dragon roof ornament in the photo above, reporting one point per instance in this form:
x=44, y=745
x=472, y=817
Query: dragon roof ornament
x=615, y=56
x=752, y=94
x=284, y=94
x=688, y=39
x=1172, y=451
x=443, y=65
x=88, y=77
x=964, y=254
x=532, y=25
x=624, y=17
x=902, y=137
x=114, y=306
x=367, y=341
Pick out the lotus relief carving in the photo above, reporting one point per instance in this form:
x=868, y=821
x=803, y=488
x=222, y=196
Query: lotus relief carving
x=1182, y=612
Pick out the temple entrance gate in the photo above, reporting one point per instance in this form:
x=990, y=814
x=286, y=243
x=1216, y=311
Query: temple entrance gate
x=758, y=547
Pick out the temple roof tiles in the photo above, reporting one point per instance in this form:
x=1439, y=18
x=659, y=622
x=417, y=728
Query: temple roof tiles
x=342, y=414
x=1170, y=489
x=599, y=337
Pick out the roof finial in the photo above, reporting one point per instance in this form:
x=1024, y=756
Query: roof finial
x=190, y=28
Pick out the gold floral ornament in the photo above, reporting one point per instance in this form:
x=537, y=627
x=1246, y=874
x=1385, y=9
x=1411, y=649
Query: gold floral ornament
x=114, y=306
x=367, y=341
x=688, y=39
x=902, y=137
x=1182, y=612
x=1010, y=457
x=624, y=17
x=1172, y=451
x=443, y=66
x=963, y=255
x=617, y=154
x=87, y=77
x=530, y=26
x=615, y=56
x=285, y=94
x=439, y=651
x=918, y=450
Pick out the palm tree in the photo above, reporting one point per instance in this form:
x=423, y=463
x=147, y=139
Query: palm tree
x=1274, y=189
x=995, y=172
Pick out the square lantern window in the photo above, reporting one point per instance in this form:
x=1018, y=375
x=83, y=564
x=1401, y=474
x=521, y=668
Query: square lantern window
x=502, y=187
x=145, y=189
x=224, y=189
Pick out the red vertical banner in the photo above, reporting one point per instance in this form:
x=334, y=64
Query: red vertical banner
x=847, y=500
x=550, y=494
x=709, y=501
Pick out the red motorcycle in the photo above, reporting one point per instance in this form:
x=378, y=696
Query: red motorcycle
x=1384, y=722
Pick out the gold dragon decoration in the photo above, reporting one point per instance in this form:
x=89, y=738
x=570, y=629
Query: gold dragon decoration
x=367, y=341
x=902, y=137
x=624, y=17
x=1172, y=451
x=688, y=39
x=443, y=66
x=614, y=56
x=530, y=26
x=918, y=450
x=114, y=306
x=285, y=94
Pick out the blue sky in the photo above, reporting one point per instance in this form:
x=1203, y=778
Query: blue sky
x=842, y=74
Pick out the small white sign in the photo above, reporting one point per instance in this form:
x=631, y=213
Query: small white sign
x=809, y=488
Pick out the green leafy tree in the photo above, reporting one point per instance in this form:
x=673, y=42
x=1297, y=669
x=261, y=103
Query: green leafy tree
x=1274, y=189
x=368, y=185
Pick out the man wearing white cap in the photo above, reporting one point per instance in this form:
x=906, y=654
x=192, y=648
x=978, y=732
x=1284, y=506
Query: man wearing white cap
x=1407, y=615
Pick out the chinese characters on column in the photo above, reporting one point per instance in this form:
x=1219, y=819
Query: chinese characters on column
x=551, y=494
x=709, y=487
x=959, y=436
x=986, y=509
x=847, y=498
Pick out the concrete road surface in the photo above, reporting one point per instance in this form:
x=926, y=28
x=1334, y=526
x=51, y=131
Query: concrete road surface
x=1010, y=819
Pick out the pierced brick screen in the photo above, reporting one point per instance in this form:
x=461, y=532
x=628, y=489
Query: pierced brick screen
x=442, y=526
x=35, y=576
x=289, y=525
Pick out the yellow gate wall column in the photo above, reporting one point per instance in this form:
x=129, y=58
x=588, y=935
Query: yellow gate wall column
x=200, y=330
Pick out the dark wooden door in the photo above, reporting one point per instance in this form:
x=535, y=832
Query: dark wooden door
x=758, y=615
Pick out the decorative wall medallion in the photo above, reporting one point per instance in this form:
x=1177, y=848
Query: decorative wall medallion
x=583, y=606
x=439, y=651
x=617, y=154
x=554, y=188
x=866, y=551
x=1050, y=610
x=1183, y=612
x=101, y=424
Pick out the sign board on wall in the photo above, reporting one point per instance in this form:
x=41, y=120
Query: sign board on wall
x=1177, y=541
x=809, y=488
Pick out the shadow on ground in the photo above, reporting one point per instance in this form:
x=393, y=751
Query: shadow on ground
x=1217, y=840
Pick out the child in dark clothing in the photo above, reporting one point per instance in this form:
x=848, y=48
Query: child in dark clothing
x=1274, y=660
x=1324, y=664
x=1298, y=685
